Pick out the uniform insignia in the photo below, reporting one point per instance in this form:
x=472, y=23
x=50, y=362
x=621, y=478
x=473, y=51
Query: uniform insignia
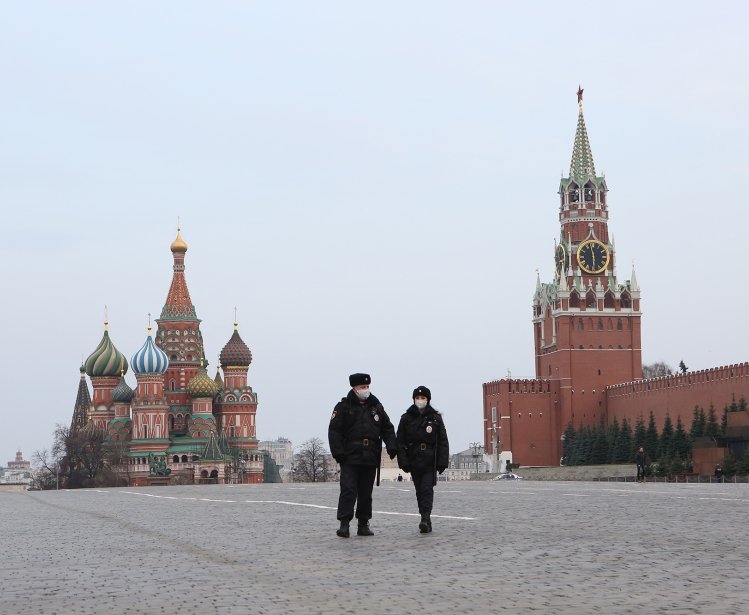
x=429, y=429
x=376, y=417
x=332, y=417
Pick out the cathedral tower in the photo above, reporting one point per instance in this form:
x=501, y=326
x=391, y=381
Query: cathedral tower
x=179, y=335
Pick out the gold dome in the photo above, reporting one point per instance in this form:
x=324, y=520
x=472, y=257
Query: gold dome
x=179, y=245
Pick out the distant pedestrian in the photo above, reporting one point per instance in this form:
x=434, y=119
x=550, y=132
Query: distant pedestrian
x=719, y=473
x=640, y=460
x=423, y=450
x=357, y=429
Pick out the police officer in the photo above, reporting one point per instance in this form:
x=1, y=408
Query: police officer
x=357, y=428
x=423, y=450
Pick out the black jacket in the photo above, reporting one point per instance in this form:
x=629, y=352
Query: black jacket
x=356, y=428
x=420, y=437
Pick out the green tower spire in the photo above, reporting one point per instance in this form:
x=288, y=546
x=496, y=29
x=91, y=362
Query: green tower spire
x=581, y=166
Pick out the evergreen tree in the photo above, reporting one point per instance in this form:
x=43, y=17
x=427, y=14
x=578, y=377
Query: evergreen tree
x=681, y=445
x=711, y=426
x=613, y=437
x=742, y=464
x=624, y=449
x=639, y=435
x=667, y=438
x=742, y=404
x=569, y=443
x=698, y=423
x=586, y=444
x=599, y=451
x=724, y=421
x=651, y=438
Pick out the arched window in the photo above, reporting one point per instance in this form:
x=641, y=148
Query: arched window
x=589, y=192
x=600, y=324
x=626, y=300
x=608, y=300
x=618, y=324
x=172, y=384
x=175, y=459
x=184, y=458
x=574, y=299
x=574, y=193
x=590, y=299
x=580, y=324
x=204, y=473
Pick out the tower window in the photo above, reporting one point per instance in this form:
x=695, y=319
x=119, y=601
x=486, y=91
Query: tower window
x=580, y=324
x=590, y=299
x=600, y=324
x=619, y=324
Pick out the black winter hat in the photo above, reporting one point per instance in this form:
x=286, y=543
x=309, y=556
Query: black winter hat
x=357, y=379
x=422, y=392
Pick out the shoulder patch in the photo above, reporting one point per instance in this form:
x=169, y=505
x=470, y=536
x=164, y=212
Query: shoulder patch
x=333, y=416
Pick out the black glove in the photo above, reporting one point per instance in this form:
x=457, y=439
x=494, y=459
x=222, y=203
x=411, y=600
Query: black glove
x=392, y=453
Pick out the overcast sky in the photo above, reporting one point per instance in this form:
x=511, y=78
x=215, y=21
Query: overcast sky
x=373, y=186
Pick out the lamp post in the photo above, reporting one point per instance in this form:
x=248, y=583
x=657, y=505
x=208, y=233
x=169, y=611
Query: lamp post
x=476, y=447
x=495, y=446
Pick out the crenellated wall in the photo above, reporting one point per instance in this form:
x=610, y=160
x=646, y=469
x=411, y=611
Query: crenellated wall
x=524, y=421
x=677, y=395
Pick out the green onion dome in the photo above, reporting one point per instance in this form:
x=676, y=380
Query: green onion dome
x=106, y=360
x=201, y=385
x=122, y=393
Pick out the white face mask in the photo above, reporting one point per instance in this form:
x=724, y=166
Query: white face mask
x=421, y=403
x=362, y=393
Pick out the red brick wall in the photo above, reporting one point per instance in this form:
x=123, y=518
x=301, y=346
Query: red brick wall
x=678, y=395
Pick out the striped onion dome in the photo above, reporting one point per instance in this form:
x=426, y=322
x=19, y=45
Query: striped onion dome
x=150, y=359
x=201, y=385
x=106, y=360
x=235, y=353
x=122, y=393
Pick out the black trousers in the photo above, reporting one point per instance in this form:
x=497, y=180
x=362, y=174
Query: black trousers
x=640, y=472
x=424, y=483
x=357, y=482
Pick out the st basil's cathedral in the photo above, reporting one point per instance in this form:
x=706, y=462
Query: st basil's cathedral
x=178, y=421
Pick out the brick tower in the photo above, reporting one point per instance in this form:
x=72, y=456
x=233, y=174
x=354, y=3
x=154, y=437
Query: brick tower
x=586, y=328
x=586, y=324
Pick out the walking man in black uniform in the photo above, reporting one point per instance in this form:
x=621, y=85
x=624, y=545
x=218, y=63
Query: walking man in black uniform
x=357, y=429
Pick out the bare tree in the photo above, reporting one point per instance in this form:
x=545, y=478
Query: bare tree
x=657, y=369
x=313, y=462
x=46, y=468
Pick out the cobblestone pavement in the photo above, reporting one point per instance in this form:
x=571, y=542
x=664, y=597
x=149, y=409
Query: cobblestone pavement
x=521, y=547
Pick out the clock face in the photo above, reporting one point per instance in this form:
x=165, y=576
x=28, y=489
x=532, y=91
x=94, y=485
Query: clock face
x=560, y=259
x=593, y=256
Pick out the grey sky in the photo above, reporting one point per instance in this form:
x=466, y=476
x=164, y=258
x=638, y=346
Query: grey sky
x=373, y=186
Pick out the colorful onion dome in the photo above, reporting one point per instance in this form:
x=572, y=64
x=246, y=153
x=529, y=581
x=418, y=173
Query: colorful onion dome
x=150, y=359
x=178, y=245
x=201, y=384
x=235, y=353
x=122, y=393
x=219, y=380
x=106, y=360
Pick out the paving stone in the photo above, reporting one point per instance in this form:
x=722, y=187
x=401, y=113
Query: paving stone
x=521, y=547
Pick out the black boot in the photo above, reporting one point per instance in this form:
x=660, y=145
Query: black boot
x=424, y=525
x=429, y=522
x=343, y=531
x=363, y=529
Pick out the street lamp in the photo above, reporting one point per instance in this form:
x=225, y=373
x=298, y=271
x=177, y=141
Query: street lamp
x=476, y=447
x=495, y=445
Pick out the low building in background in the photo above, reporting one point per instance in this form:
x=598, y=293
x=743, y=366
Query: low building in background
x=281, y=451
